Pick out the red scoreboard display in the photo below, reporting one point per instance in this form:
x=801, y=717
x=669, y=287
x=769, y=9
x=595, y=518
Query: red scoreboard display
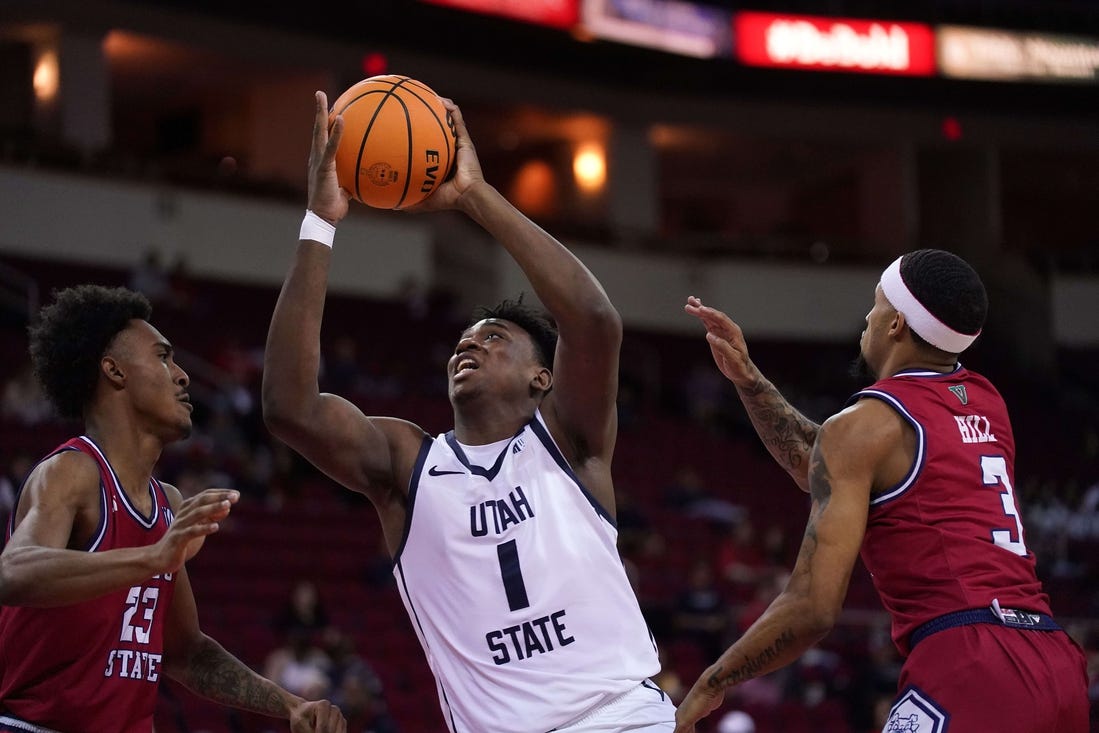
x=834, y=44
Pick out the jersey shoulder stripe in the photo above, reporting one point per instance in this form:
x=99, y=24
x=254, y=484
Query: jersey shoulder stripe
x=540, y=430
x=921, y=445
x=413, y=485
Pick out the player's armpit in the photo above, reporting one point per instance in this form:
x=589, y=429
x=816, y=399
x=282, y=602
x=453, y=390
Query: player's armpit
x=359, y=452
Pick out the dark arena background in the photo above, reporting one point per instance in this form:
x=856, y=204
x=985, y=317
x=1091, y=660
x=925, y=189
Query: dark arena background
x=770, y=158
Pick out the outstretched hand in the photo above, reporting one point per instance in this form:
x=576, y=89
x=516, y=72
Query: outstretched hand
x=727, y=343
x=317, y=717
x=467, y=168
x=197, y=518
x=699, y=702
x=326, y=199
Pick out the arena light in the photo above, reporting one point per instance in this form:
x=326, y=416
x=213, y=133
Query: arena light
x=374, y=63
x=1001, y=55
x=534, y=188
x=834, y=44
x=47, y=77
x=589, y=167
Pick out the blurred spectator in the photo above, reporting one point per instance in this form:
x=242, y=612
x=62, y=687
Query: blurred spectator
x=228, y=444
x=704, y=392
x=23, y=400
x=776, y=550
x=257, y=471
x=700, y=612
x=635, y=531
x=639, y=380
x=304, y=611
x=285, y=475
x=192, y=462
x=736, y=721
x=300, y=666
x=15, y=472
x=190, y=483
x=685, y=488
x=356, y=687
x=689, y=494
x=740, y=560
x=151, y=278
x=875, y=672
x=416, y=297
x=240, y=363
x=817, y=674
x=1086, y=523
x=184, y=288
x=765, y=691
x=767, y=588
x=1091, y=648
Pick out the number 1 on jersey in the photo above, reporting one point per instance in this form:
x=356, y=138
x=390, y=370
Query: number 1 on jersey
x=994, y=472
x=512, y=575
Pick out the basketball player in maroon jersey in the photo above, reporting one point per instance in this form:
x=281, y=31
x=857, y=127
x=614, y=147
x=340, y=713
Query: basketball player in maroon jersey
x=918, y=472
x=96, y=602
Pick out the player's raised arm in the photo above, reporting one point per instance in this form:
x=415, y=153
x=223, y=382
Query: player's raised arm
x=787, y=433
x=585, y=369
x=326, y=429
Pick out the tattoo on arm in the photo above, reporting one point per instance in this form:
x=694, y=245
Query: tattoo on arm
x=787, y=433
x=752, y=666
x=820, y=489
x=219, y=676
x=820, y=481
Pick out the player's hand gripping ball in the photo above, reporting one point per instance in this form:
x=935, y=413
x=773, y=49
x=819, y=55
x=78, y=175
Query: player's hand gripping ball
x=398, y=141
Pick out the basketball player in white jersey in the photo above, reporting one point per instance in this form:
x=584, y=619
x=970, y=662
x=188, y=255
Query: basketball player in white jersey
x=502, y=530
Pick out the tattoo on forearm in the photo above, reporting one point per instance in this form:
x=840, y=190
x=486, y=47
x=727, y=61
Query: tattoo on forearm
x=752, y=666
x=788, y=434
x=221, y=677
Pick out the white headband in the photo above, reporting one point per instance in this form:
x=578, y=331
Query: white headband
x=929, y=328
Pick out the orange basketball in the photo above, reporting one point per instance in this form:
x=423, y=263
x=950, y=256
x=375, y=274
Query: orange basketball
x=398, y=141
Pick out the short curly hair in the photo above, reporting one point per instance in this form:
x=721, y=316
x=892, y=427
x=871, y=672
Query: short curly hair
x=948, y=287
x=538, y=324
x=70, y=335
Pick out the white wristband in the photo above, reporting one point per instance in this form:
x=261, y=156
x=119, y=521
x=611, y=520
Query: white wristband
x=316, y=229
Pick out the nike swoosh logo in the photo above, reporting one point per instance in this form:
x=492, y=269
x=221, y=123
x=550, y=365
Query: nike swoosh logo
x=434, y=471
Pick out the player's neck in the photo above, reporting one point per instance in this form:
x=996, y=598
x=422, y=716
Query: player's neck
x=944, y=364
x=487, y=422
x=132, y=452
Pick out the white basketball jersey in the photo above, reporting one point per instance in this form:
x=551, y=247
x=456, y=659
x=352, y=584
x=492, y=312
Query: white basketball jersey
x=511, y=576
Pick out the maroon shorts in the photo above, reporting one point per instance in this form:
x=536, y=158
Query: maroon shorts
x=986, y=678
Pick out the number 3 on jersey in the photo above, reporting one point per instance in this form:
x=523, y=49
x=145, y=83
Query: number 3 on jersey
x=994, y=473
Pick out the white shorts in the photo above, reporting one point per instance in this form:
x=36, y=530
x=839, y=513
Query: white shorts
x=644, y=709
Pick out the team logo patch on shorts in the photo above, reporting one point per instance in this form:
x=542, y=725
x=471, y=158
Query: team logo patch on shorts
x=915, y=712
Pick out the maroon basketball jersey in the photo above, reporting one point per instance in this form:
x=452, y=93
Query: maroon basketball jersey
x=94, y=666
x=949, y=537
